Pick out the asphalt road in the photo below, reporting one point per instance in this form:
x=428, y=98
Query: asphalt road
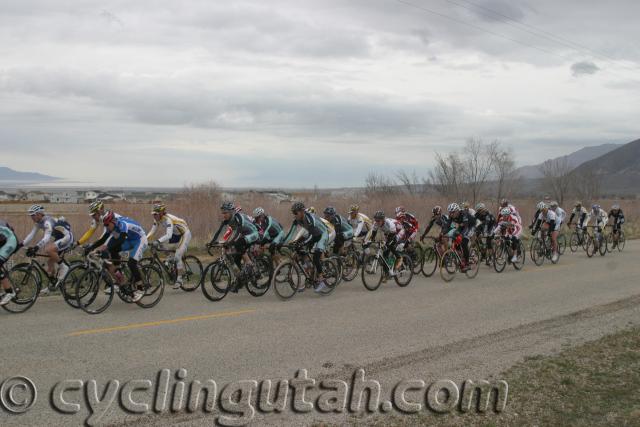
x=430, y=330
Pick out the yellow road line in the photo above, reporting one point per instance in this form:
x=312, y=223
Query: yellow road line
x=159, y=323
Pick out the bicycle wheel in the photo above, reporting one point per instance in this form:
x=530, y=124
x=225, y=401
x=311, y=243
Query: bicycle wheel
x=449, y=265
x=538, y=252
x=602, y=249
x=26, y=287
x=521, y=256
x=372, y=272
x=216, y=281
x=416, y=259
x=610, y=242
x=351, y=265
x=500, y=257
x=287, y=278
x=574, y=241
x=590, y=246
x=474, y=264
x=532, y=252
x=91, y=295
x=338, y=261
x=429, y=262
x=259, y=284
x=562, y=244
x=332, y=275
x=152, y=284
x=68, y=286
x=192, y=273
x=404, y=273
x=621, y=241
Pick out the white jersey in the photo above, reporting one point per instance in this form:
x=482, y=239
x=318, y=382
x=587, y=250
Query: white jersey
x=360, y=223
x=173, y=225
x=56, y=228
x=600, y=218
x=560, y=214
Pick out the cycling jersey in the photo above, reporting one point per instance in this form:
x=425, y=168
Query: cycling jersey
x=317, y=231
x=600, y=218
x=57, y=229
x=618, y=218
x=342, y=226
x=442, y=221
x=127, y=236
x=515, y=212
x=485, y=222
x=241, y=227
x=390, y=228
x=582, y=215
x=550, y=219
x=508, y=225
x=11, y=243
x=560, y=214
x=410, y=224
x=270, y=230
x=361, y=224
x=92, y=229
x=463, y=224
x=175, y=229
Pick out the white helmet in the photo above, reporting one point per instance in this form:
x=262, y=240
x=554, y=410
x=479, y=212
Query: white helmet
x=258, y=212
x=34, y=209
x=553, y=204
x=453, y=207
x=505, y=211
x=540, y=206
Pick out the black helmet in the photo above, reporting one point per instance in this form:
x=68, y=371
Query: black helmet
x=330, y=210
x=378, y=215
x=297, y=207
x=228, y=207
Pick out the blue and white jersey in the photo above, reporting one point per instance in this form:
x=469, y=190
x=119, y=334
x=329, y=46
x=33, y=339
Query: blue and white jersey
x=126, y=225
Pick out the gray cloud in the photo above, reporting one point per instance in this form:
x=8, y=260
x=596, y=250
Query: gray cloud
x=584, y=67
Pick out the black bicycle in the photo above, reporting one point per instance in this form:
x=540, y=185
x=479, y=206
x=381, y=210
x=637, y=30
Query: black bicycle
x=577, y=239
x=96, y=286
x=541, y=248
x=377, y=269
x=503, y=253
x=25, y=285
x=191, y=276
x=298, y=273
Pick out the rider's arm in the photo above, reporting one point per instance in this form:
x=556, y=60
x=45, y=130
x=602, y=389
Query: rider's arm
x=100, y=241
x=30, y=236
x=214, y=239
x=168, y=234
x=153, y=230
x=47, y=235
x=87, y=235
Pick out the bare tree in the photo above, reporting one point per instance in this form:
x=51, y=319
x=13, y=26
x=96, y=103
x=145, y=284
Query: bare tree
x=556, y=176
x=477, y=161
x=412, y=184
x=376, y=183
x=446, y=177
x=586, y=184
x=504, y=170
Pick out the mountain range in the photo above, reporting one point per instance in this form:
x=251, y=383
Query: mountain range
x=10, y=175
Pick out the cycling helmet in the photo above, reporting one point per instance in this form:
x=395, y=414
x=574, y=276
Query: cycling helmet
x=159, y=208
x=480, y=206
x=505, y=211
x=330, y=210
x=615, y=207
x=578, y=205
x=311, y=209
x=437, y=210
x=94, y=207
x=258, y=212
x=553, y=204
x=540, y=206
x=228, y=207
x=354, y=208
x=297, y=207
x=378, y=215
x=504, y=203
x=595, y=207
x=108, y=217
x=465, y=205
x=34, y=209
x=453, y=207
x=400, y=210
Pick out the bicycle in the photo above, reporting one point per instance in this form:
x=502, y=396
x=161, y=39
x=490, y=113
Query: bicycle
x=376, y=269
x=223, y=275
x=25, y=285
x=52, y=282
x=611, y=240
x=348, y=263
x=577, y=239
x=452, y=262
x=503, y=252
x=541, y=248
x=289, y=276
x=96, y=287
x=485, y=254
x=432, y=255
x=596, y=242
x=416, y=253
x=192, y=268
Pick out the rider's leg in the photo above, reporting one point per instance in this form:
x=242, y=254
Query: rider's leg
x=52, y=252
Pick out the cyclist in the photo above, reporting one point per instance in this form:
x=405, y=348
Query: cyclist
x=57, y=239
x=504, y=203
x=560, y=214
x=96, y=210
x=440, y=219
x=360, y=223
x=618, y=220
x=176, y=233
x=344, y=231
x=548, y=221
x=463, y=225
x=122, y=234
x=510, y=225
x=394, y=234
x=468, y=209
x=581, y=213
x=316, y=240
x=600, y=219
x=271, y=232
x=485, y=223
x=8, y=246
x=536, y=221
x=409, y=222
x=244, y=233
x=330, y=228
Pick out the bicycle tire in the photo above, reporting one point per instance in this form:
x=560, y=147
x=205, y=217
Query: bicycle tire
x=449, y=265
x=192, y=275
x=287, y=279
x=216, y=281
x=404, y=275
x=26, y=287
x=92, y=280
x=430, y=261
x=372, y=272
x=153, y=283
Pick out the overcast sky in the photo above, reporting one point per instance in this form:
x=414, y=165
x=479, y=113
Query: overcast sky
x=300, y=92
